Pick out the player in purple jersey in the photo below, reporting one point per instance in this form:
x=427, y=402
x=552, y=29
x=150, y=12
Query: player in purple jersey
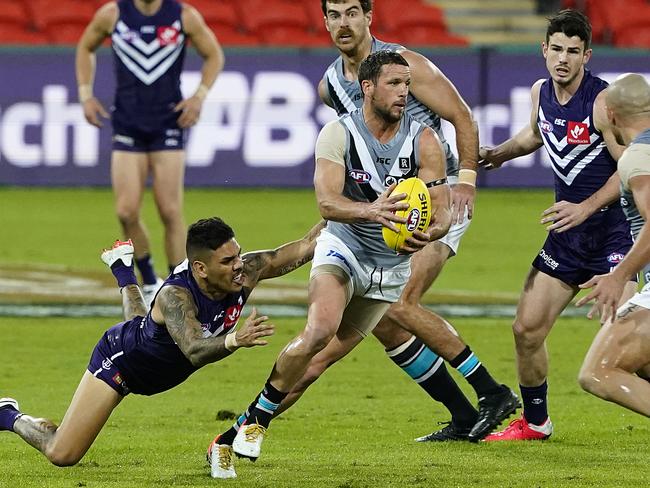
x=617, y=366
x=588, y=233
x=149, y=116
x=190, y=324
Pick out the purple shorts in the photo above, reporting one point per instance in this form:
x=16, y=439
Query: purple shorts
x=165, y=135
x=575, y=256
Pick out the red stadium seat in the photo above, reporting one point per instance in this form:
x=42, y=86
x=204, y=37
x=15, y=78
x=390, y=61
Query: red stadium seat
x=425, y=36
x=639, y=38
x=14, y=12
x=66, y=12
x=293, y=36
x=68, y=34
x=231, y=36
x=217, y=12
x=259, y=15
x=609, y=16
x=401, y=15
x=18, y=35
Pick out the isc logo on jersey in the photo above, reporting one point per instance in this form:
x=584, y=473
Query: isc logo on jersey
x=417, y=215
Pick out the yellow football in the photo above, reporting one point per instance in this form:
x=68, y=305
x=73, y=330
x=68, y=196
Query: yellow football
x=417, y=215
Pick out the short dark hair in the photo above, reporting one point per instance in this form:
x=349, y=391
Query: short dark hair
x=366, y=5
x=207, y=234
x=371, y=66
x=572, y=23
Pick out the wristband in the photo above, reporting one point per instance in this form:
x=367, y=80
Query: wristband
x=438, y=182
x=201, y=92
x=231, y=342
x=467, y=176
x=85, y=92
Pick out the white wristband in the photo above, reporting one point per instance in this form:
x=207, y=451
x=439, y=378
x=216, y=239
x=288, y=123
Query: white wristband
x=231, y=342
x=201, y=92
x=467, y=176
x=85, y=92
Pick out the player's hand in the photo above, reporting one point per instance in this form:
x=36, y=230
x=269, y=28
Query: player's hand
x=563, y=216
x=254, y=331
x=486, y=160
x=462, y=197
x=190, y=110
x=94, y=111
x=383, y=209
x=606, y=293
x=416, y=242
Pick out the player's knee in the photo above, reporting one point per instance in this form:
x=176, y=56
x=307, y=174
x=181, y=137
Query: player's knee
x=127, y=215
x=315, y=339
x=170, y=215
x=399, y=311
x=526, y=336
x=593, y=381
x=62, y=457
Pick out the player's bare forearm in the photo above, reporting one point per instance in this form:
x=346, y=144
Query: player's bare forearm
x=261, y=265
x=609, y=193
x=467, y=142
x=133, y=303
x=179, y=315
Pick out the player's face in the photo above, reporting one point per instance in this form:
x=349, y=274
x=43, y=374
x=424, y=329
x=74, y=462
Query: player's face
x=224, y=269
x=347, y=24
x=388, y=96
x=565, y=57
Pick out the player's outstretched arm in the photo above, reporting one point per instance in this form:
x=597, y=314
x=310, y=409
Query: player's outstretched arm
x=271, y=263
x=433, y=88
x=527, y=140
x=99, y=28
x=175, y=309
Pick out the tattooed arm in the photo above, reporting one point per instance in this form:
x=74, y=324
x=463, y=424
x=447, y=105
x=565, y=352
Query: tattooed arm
x=175, y=309
x=261, y=265
x=132, y=302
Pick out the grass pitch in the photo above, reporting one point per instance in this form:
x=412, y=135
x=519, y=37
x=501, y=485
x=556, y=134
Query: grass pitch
x=354, y=428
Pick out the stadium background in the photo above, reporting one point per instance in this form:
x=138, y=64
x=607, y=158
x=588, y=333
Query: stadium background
x=250, y=161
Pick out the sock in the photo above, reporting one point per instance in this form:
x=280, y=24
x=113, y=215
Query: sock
x=535, y=405
x=8, y=417
x=429, y=371
x=475, y=373
x=228, y=437
x=123, y=274
x=145, y=266
x=267, y=403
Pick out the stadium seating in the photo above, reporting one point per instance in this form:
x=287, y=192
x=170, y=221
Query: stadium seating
x=616, y=21
x=235, y=22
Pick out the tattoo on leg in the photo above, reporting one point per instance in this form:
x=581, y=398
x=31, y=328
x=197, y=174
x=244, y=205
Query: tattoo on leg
x=36, y=432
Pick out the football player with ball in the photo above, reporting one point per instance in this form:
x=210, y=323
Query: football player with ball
x=355, y=276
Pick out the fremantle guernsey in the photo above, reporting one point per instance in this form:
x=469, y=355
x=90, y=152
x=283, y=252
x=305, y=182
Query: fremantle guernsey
x=346, y=97
x=139, y=356
x=579, y=157
x=370, y=167
x=148, y=59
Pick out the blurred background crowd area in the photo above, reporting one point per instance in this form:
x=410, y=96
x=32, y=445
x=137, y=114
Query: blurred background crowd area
x=620, y=23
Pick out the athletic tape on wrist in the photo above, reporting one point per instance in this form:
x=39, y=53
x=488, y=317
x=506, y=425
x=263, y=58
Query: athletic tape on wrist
x=230, y=342
x=202, y=92
x=467, y=176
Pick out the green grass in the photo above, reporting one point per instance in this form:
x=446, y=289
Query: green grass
x=354, y=428
x=69, y=226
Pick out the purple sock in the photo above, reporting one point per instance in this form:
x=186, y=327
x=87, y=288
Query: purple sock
x=123, y=274
x=8, y=416
x=145, y=266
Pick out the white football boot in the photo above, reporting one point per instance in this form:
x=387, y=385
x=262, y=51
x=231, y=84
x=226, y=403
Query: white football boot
x=149, y=291
x=220, y=459
x=248, y=442
x=121, y=250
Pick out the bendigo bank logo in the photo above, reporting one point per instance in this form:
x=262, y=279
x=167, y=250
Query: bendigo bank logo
x=577, y=133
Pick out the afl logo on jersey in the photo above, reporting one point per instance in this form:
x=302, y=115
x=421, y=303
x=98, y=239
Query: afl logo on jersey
x=545, y=126
x=359, y=176
x=615, y=257
x=577, y=133
x=167, y=35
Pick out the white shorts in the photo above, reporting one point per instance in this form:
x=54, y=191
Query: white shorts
x=370, y=289
x=456, y=231
x=642, y=298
